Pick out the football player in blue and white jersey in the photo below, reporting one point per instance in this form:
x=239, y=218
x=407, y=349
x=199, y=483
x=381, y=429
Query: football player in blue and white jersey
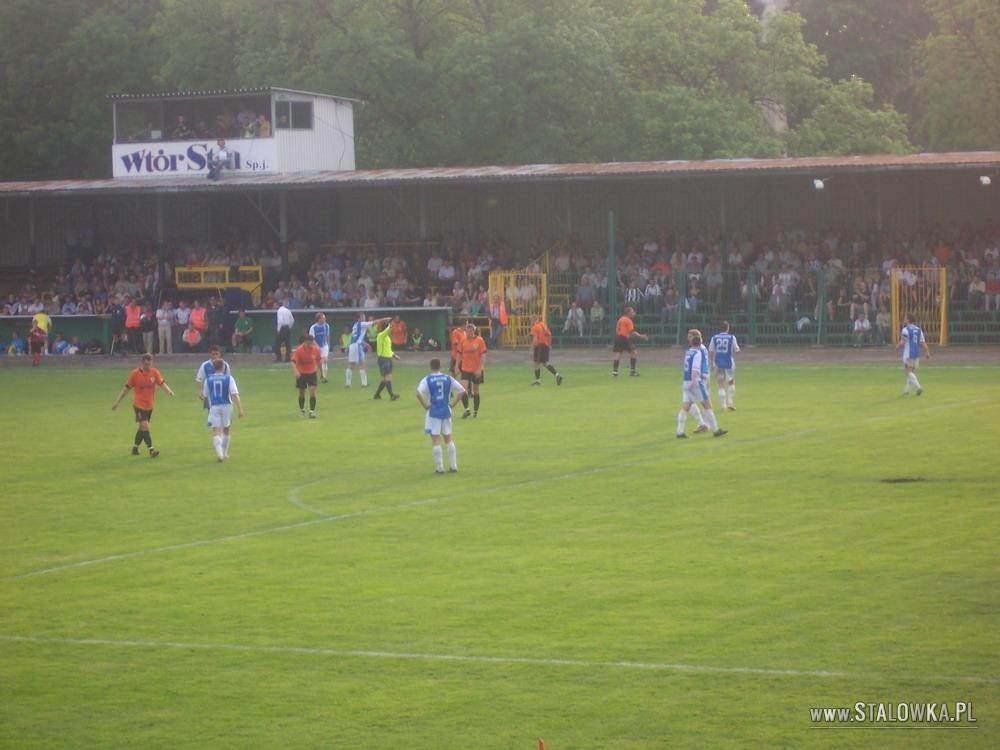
x=695, y=389
x=438, y=393
x=721, y=349
x=205, y=369
x=356, y=349
x=320, y=331
x=695, y=411
x=911, y=341
x=221, y=393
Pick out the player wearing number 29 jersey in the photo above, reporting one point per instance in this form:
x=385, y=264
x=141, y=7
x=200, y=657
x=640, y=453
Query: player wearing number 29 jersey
x=722, y=347
x=438, y=393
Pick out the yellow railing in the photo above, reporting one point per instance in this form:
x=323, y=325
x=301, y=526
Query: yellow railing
x=921, y=291
x=526, y=297
x=250, y=278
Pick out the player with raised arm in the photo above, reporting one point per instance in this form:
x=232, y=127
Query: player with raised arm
x=383, y=349
x=356, y=350
x=721, y=349
x=438, y=393
x=320, y=331
x=695, y=390
x=221, y=392
x=625, y=334
x=911, y=341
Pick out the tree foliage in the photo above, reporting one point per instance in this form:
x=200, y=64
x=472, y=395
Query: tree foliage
x=443, y=81
x=959, y=85
x=845, y=123
x=874, y=40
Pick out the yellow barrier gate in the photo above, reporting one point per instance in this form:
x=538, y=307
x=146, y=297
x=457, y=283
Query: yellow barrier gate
x=921, y=291
x=526, y=297
x=248, y=278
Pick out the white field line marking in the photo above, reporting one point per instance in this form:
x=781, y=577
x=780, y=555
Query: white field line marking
x=502, y=660
x=324, y=518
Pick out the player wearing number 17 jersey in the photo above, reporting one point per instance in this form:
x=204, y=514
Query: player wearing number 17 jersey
x=438, y=392
x=721, y=349
x=221, y=393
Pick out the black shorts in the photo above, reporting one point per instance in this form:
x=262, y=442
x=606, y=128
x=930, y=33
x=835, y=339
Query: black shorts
x=470, y=377
x=302, y=381
x=385, y=366
x=142, y=415
x=541, y=353
x=623, y=344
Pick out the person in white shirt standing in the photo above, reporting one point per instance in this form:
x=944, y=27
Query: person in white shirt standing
x=165, y=328
x=182, y=316
x=285, y=322
x=574, y=319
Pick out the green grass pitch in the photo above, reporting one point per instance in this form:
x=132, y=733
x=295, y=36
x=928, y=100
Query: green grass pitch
x=585, y=578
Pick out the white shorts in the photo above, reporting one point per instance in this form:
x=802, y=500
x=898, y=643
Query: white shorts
x=220, y=416
x=697, y=396
x=356, y=353
x=324, y=352
x=727, y=373
x=912, y=363
x=437, y=427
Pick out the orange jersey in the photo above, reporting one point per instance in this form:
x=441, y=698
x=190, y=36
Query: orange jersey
x=457, y=337
x=198, y=317
x=541, y=334
x=306, y=359
x=143, y=385
x=473, y=350
x=625, y=326
x=398, y=334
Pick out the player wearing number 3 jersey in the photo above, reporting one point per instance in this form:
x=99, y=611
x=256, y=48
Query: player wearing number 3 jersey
x=438, y=392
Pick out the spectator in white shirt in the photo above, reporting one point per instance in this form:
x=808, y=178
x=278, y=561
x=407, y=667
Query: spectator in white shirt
x=285, y=323
x=862, y=330
x=574, y=319
x=165, y=328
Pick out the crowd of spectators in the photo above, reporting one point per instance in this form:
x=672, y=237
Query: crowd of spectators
x=247, y=121
x=784, y=276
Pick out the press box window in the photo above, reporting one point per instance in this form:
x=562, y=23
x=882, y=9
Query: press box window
x=294, y=115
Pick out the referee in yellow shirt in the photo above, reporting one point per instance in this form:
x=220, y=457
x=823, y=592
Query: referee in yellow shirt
x=383, y=349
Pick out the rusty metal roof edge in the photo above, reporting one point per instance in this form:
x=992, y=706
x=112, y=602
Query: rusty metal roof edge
x=989, y=160
x=202, y=93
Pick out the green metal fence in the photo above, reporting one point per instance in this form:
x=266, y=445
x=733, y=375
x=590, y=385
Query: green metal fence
x=815, y=308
